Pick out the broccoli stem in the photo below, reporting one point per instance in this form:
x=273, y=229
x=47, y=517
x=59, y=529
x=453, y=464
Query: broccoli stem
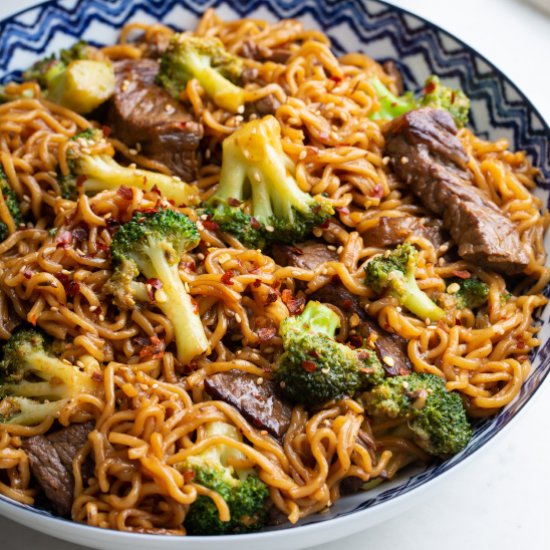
x=417, y=301
x=30, y=412
x=178, y=306
x=391, y=106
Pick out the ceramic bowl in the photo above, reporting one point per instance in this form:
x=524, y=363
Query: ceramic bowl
x=499, y=109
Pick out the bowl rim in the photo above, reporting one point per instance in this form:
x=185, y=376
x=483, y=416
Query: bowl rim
x=28, y=512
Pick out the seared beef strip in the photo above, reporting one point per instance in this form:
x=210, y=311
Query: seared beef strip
x=311, y=254
x=263, y=53
x=142, y=112
x=51, y=460
x=256, y=399
x=394, y=231
x=427, y=155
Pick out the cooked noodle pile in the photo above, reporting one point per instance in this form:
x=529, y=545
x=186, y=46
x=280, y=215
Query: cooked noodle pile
x=153, y=411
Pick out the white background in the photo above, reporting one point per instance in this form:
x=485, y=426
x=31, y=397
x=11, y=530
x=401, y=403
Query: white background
x=501, y=499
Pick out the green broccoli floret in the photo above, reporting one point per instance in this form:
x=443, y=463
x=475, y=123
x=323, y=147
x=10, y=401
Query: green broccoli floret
x=81, y=79
x=205, y=59
x=314, y=367
x=92, y=173
x=153, y=244
x=34, y=384
x=435, y=416
x=10, y=199
x=394, y=273
x=257, y=177
x=468, y=293
x=243, y=491
x=434, y=95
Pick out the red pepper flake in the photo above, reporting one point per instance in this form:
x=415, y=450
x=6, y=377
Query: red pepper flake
x=196, y=309
x=336, y=79
x=309, y=366
x=347, y=304
x=254, y=223
x=72, y=289
x=257, y=283
x=27, y=273
x=154, y=189
x=377, y=191
x=154, y=349
x=80, y=179
x=97, y=376
x=125, y=192
x=271, y=297
x=64, y=239
x=183, y=125
x=344, y=210
x=106, y=131
x=227, y=278
x=453, y=96
x=232, y=201
x=430, y=87
x=325, y=224
x=294, y=305
x=210, y=225
x=462, y=274
x=189, y=266
x=313, y=353
x=188, y=476
x=266, y=333
x=458, y=322
x=520, y=342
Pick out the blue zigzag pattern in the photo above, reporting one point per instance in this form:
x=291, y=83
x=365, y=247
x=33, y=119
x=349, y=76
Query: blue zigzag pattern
x=498, y=106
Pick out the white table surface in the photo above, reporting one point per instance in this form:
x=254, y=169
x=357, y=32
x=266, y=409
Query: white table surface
x=502, y=497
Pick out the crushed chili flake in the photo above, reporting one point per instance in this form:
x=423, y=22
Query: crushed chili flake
x=154, y=348
x=227, y=278
x=347, y=304
x=462, y=274
x=325, y=224
x=294, y=305
x=106, y=130
x=458, y=322
x=309, y=366
x=377, y=192
x=271, y=297
x=97, y=376
x=27, y=273
x=189, y=266
x=266, y=333
x=254, y=223
x=154, y=189
x=256, y=283
x=232, y=201
x=336, y=79
x=188, y=476
x=313, y=353
x=210, y=225
x=430, y=87
x=520, y=342
x=80, y=233
x=125, y=192
x=64, y=239
x=72, y=289
x=195, y=306
x=155, y=283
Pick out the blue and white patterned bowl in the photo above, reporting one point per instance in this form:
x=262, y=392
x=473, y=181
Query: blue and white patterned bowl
x=499, y=110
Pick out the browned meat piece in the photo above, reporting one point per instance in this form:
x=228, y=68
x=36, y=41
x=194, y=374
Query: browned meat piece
x=263, y=53
x=390, y=67
x=306, y=255
x=255, y=399
x=428, y=156
x=337, y=294
x=51, y=460
x=142, y=112
x=394, y=231
x=262, y=107
x=387, y=345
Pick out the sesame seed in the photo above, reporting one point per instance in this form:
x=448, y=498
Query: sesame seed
x=54, y=308
x=326, y=370
x=257, y=177
x=161, y=296
x=404, y=160
x=282, y=385
x=390, y=361
x=453, y=288
x=303, y=154
x=237, y=318
x=80, y=364
x=269, y=228
x=259, y=380
x=200, y=256
x=331, y=247
x=340, y=249
x=102, y=317
x=263, y=432
x=240, y=109
x=93, y=308
x=385, y=160
x=317, y=232
x=132, y=151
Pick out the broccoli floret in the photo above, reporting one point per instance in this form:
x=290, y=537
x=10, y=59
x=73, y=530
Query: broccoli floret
x=438, y=96
x=34, y=384
x=257, y=176
x=394, y=273
x=243, y=491
x=434, y=95
x=314, y=367
x=92, y=173
x=153, y=244
x=81, y=79
x=468, y=293
x=435, y=416
x=12, y=204
x=205, y=59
